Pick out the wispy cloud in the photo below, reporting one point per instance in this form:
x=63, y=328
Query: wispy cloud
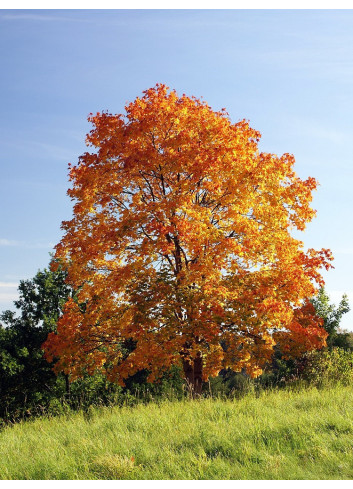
x=8, y=242
x=45, y=150
x=343, y=251
x=8, y=284
x=42, y=18
x=336, y=297
x=56, y=152
x=8, y=293
x=6, y=297
x=314, y=129
x=25, y=244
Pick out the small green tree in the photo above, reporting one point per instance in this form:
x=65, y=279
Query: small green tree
x=26, y=379
x=332, y=316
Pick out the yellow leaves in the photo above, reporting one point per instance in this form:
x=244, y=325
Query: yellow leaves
x=253, y=371
x=180, y=236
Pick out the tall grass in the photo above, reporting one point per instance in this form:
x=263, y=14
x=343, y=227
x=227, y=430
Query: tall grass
x=278, y=435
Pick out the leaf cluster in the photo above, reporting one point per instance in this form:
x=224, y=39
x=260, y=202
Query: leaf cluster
x=181, y=243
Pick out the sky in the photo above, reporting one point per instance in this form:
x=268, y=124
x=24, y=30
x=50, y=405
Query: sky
x=289, y=72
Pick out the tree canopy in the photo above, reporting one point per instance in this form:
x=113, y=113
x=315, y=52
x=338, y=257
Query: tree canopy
x=25, y=376
x=180, y=244
x=332, y=316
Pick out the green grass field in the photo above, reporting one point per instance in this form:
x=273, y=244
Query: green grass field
x=279, y=435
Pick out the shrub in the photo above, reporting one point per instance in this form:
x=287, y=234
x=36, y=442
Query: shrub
x=328, y=367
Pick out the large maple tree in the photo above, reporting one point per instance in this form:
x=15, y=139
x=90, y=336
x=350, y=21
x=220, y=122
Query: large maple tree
x=181, y=245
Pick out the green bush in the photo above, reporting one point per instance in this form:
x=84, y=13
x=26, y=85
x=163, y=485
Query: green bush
x=328, y=367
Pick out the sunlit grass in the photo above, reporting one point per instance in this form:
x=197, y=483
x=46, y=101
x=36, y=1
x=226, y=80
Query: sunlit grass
x=280, y=435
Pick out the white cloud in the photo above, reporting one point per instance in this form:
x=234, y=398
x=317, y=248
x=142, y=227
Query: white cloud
x=8, y=242
x=336, y=295
x=28, y=244
x=8, y=294
x=344, y=251
x=55, y=152
x=38, y=245
x=8, y=284
x=42, y=18
x=6, y=297
x=46, y=150
x=314, y=129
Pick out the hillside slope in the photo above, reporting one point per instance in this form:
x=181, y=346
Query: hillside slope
x=280, y=435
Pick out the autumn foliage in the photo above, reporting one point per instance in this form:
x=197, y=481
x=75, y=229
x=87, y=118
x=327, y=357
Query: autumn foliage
x=181, y=246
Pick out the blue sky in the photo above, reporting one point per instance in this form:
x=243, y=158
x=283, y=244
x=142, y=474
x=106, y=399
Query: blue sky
x=289, y=72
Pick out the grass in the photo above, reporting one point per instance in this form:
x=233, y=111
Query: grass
x=279, y=435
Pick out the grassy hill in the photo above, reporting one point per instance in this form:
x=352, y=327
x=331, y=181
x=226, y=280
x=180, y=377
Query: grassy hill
x=279, y=435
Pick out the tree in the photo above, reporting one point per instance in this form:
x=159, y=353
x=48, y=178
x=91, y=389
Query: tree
x=332, y=316
x=26, y=378
x=180, y=245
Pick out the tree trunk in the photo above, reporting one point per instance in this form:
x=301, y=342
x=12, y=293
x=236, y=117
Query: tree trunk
x=67, y=384
x=193, y=375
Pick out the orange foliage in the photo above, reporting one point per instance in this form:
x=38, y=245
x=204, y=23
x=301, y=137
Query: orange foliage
x=180, y=242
